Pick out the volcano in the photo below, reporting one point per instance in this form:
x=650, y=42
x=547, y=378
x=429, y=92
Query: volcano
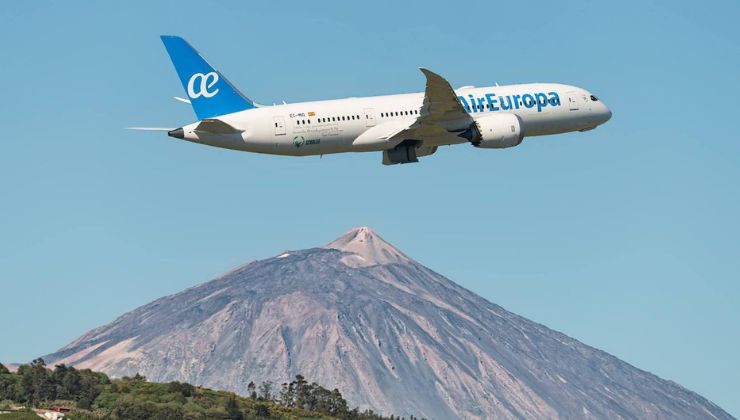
x=394, y=336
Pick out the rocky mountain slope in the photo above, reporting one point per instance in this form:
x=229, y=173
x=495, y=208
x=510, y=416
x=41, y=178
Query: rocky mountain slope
x=391, y=334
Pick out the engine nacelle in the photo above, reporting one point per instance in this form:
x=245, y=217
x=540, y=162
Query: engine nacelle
x=405, y=152
x=497, y=131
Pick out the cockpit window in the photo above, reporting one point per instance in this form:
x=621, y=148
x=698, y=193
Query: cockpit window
x=593, y=98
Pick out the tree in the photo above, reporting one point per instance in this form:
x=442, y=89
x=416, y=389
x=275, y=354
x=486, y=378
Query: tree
x=3, y=369
x=302, y=391
x=338, y=403
x=251, y=390
x=35, y=383
x=169, y=413
x=90, y=386
x=266, y=391
x=9, y=385
x=68, y=382
x=287, y=394
x=261, y=410
x=232, y=409
x=131, y=409
x=185, y=389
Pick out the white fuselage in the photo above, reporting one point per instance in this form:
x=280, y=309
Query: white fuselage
x=333, y=126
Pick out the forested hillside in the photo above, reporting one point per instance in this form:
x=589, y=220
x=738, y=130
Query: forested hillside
x=93, y=395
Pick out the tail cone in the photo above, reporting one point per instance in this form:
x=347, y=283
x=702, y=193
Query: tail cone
x=177, y=133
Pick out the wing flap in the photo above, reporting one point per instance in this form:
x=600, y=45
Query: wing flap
x=440, y=111
x=382, y=136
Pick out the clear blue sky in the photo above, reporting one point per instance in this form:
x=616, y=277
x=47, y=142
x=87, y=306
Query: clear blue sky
x=625, y=237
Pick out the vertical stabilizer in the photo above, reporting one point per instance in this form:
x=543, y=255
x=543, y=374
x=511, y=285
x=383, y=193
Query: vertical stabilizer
x=210, y=94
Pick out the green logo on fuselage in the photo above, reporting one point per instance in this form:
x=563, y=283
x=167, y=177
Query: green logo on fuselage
x=298, y=141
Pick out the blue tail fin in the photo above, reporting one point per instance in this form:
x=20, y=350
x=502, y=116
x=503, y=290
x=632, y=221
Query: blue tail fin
x=208, y=90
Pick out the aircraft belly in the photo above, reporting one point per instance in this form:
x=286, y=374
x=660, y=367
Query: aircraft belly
x=317, y=140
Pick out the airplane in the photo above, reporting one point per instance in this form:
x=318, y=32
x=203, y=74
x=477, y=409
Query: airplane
x=403, y=127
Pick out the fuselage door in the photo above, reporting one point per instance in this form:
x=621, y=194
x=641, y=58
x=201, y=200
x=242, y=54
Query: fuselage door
x=279, y=125
x=573, y=101
x=369, y=117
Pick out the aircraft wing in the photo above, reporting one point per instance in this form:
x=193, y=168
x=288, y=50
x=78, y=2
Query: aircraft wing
x=440, y=102
x=440, y=109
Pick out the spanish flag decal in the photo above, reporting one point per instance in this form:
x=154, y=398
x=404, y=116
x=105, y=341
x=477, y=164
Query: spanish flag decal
x=311, y=114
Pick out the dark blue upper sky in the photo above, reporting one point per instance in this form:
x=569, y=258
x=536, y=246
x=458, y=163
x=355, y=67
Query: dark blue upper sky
x=625, y=237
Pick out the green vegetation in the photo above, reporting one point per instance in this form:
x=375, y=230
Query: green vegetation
x=93, y=396
x=20, y=415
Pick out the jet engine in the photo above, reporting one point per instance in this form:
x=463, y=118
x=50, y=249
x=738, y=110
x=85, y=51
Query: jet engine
x=496, y=131
x=405, y=152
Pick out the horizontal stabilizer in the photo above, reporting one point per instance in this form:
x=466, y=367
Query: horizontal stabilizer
x=212, y=125
x=149, y=128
